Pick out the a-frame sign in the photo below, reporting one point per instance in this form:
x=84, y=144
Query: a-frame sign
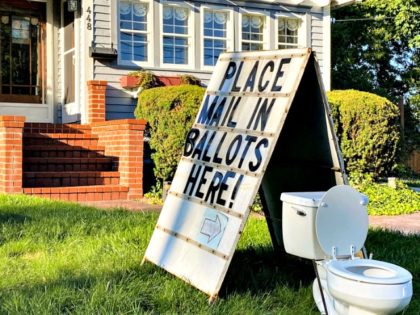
x=264, y=122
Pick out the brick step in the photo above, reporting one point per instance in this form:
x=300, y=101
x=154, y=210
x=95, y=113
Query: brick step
x=37, y=164
x=65, y=179
x=80, y=193
x=63, y=151
x=56, y=128
x=83, y=140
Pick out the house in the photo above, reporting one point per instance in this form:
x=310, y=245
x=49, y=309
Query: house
x=61, y=62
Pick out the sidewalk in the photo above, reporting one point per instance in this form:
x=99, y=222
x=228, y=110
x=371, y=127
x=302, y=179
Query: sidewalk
x=407, y=224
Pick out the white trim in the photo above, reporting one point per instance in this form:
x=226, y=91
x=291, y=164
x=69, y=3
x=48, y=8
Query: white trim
x=86, y=62
x=72, y=112
x=315, y=3
x=266, y=29
x=50, y=62
x=230, y=36
x=190, y=36
x=326, y=48
x=150, y=33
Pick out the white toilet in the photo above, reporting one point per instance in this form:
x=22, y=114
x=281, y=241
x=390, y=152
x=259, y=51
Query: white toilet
x=329, y=228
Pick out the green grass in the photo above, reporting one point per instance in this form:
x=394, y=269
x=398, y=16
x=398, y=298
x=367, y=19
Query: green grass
x=64, y=258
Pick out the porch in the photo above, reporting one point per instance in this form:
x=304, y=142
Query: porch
x=101, y=160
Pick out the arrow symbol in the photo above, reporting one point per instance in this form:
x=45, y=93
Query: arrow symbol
x=211, y=228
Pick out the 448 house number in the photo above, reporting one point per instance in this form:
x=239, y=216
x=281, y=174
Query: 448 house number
x=88, y=19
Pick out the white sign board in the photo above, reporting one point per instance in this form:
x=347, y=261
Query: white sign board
x=225, y=156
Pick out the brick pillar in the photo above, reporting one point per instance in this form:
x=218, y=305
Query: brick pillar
x=11, y=131
x=96, y=101
x=123, y=139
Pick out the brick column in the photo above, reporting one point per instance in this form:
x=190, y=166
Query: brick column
x=96, y=101
x=123, y=139
x=11, y=131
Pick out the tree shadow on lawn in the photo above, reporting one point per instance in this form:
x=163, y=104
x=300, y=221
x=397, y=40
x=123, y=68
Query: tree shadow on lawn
x=13, y=218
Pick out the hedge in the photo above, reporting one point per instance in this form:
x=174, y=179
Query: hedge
x=367, y=127
x=170, y=112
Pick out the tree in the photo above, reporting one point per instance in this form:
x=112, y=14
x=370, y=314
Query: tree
x=375, y=47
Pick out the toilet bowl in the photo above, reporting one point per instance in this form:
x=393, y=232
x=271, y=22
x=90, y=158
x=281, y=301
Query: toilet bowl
x=365, y=286
x=330, y=227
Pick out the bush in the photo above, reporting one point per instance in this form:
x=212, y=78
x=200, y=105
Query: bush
x=170, y=112
x=384, y=200
x=367, y=127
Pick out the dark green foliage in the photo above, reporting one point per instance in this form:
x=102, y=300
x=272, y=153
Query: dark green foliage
x=170, y=112
x=384, y=200
x=412, y=124
x=368, y=131
x=375, y=47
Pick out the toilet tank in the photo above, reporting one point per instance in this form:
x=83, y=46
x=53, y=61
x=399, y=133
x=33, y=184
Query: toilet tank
x=298, y=224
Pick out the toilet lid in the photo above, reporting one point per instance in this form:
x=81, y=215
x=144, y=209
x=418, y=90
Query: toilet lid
x=342, y=220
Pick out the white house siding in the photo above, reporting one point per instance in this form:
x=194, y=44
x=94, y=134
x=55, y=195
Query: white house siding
x=317, y=37
x=120, y=103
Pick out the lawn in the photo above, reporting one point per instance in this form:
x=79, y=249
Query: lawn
x=60, y=257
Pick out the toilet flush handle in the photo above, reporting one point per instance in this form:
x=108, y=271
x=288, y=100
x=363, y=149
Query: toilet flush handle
x=300, y=212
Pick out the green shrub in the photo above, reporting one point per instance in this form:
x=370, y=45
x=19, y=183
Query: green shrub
x=384, y=200
x=170, y=112
x=367, y=127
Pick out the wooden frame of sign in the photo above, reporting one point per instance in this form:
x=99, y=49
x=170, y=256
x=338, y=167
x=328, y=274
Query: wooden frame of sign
x=264, y=122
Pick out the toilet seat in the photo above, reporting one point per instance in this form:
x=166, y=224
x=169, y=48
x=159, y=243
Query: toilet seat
x=369, y=271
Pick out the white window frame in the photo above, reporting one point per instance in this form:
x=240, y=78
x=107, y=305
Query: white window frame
x=303, y=28
x=149, y=33
x=266, y=29
x=190, y=36
x=230, y=36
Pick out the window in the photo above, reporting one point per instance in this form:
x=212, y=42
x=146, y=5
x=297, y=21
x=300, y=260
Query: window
x=21, y=58
x=175, y=35
x=133, y=20
x=215, y=35
x=287, y=33
x=252, y=32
